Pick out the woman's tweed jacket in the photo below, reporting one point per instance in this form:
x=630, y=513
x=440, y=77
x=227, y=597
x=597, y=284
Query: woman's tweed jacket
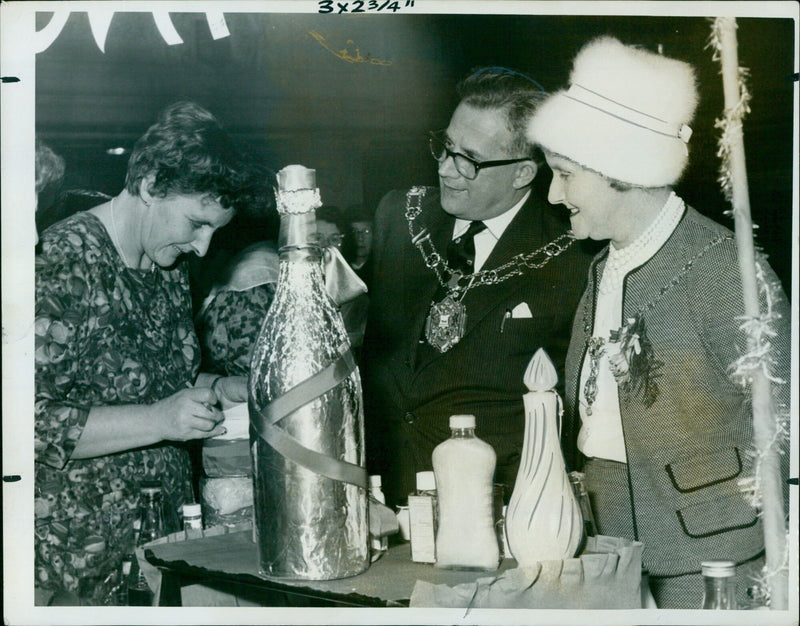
x=687, y=450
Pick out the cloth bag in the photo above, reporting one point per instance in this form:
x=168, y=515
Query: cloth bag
x=607, y=575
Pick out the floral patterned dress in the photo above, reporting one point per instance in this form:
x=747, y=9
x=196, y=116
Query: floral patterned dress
x=105, y=335
x=231, y=316
x=228, y=328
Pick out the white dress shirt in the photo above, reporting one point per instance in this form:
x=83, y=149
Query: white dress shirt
x=495, y=227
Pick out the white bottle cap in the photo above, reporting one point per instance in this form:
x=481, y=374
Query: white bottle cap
x=426, y=481
x=192, y=510
x=375, y=481
x=718, y=569
x=462, y=421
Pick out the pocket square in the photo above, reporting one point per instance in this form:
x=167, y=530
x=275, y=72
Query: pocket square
x=522, y=310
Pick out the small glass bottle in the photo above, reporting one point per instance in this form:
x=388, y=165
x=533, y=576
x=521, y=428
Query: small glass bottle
x=193, y=520
x=579, y=486
x=423, y=518
x=719, y=584
x=464, y=467
x=502, y=537
x=377, y=544
x=151, y=528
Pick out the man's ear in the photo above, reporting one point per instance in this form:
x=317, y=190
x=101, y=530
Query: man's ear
x=526, y=172
x=145, y=188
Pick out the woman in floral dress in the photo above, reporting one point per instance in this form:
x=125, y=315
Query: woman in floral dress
x=118, y=393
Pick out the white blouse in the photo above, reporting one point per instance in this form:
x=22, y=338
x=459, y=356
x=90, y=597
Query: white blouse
x=601, y=433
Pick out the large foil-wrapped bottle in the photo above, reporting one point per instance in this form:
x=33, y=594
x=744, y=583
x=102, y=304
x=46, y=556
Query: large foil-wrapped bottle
x=306, y=412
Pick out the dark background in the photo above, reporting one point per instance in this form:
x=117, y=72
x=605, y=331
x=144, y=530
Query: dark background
x=353, y=96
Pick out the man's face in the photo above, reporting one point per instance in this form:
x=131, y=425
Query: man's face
x=328, y=234
x=483, y=135
x=362, y=234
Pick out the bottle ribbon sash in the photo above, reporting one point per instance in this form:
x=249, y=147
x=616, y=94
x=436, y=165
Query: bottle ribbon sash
x=264, y=422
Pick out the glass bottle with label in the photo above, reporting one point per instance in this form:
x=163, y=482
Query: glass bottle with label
x=423, y=518
x=579, y=486
x=151, y=527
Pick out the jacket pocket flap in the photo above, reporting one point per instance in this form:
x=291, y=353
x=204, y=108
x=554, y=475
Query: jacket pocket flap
x=715, y=517
x=712, y=469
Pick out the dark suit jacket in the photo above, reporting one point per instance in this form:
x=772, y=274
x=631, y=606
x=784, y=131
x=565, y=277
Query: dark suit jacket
x=408, y=400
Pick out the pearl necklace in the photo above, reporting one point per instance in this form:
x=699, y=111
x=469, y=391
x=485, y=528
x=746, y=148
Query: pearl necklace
x=621, y=261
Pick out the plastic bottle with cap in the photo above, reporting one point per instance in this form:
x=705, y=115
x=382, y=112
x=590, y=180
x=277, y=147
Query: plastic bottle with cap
x=719, y=584
x=193, y=520
x=464, y=468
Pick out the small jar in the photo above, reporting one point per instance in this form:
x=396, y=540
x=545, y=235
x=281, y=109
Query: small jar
x=193, y=520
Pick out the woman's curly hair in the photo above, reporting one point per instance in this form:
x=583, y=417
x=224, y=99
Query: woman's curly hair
x=189, y=152
x=49, y=166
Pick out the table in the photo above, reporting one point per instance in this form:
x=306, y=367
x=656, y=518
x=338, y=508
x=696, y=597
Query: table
x=229, y=563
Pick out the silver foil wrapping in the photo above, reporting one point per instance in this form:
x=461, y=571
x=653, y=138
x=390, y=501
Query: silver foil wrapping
x=307, y=526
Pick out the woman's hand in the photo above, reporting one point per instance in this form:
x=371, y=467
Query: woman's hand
x=188, y=414
x=230, y=390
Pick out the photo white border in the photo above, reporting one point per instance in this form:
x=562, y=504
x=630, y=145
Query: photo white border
x=17, y=114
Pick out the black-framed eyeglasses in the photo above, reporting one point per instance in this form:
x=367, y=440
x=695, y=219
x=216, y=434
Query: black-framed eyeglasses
x=465, y=165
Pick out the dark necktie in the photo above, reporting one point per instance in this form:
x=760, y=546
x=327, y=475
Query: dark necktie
x=461, y=250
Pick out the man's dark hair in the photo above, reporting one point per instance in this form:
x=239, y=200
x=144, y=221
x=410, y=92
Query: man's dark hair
x=509, y=90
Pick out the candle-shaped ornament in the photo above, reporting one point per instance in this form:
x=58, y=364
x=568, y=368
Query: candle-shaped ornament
x=543, y=520
x=306, y=412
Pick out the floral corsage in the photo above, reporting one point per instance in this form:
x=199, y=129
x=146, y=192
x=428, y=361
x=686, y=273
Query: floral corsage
x=634, y=367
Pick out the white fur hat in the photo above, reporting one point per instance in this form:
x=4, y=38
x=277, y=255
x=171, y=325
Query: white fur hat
x=625, y=114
